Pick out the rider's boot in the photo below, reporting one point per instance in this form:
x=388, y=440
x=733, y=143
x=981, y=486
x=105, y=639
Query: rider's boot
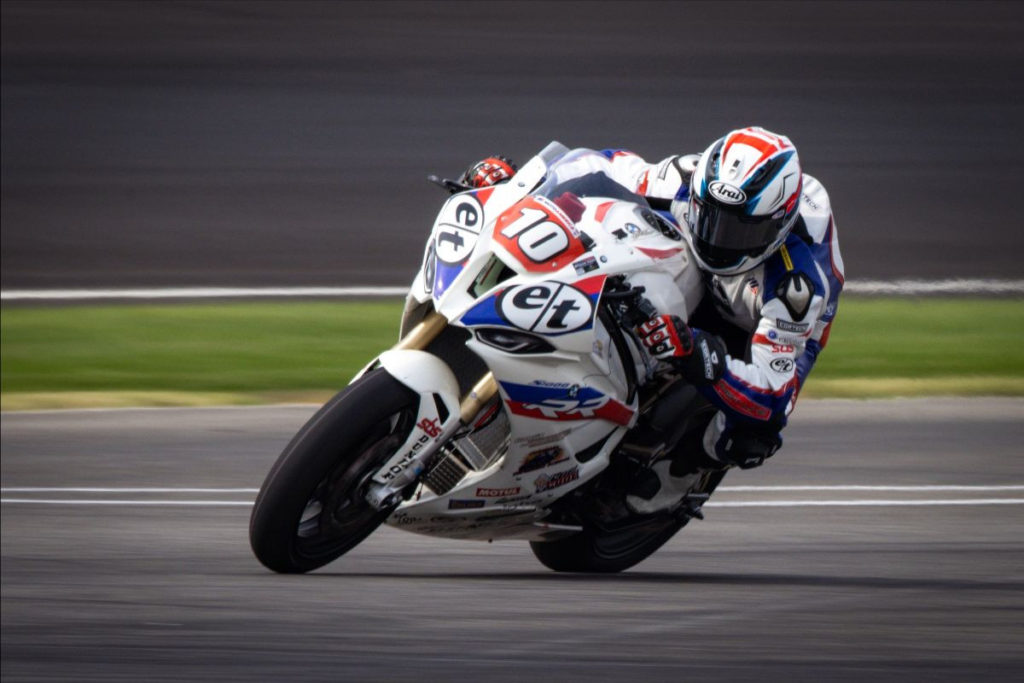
x=666, y=483
x=661, y=489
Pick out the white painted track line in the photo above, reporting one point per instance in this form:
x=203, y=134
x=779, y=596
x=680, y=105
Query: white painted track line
x=848, y=502
x=869, y=287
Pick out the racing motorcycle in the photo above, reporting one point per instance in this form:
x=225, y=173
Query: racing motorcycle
x=519, y=402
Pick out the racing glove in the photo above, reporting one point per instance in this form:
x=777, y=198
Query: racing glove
x=699, y=356
x=489, y=171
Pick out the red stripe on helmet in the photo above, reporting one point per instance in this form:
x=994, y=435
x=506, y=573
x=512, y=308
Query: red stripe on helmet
x=766, y=143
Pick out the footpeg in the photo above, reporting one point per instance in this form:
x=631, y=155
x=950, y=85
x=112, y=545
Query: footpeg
x=691, y=506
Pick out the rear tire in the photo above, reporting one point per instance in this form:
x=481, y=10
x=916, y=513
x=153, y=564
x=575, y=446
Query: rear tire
x=609, y=550
x=599, y=551
x=312, y=507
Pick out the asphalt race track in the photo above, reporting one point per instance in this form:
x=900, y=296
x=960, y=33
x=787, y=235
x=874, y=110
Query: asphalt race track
x=915, y=575
x=287, y=143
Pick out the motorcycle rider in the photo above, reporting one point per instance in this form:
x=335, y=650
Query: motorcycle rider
x=763, y=235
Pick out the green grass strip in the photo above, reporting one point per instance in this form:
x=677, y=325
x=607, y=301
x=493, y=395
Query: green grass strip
x=182, y=354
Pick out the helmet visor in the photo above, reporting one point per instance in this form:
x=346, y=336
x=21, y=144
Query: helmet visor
x=723, y=237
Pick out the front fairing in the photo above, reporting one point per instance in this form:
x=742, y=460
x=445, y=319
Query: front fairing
x=512, y=259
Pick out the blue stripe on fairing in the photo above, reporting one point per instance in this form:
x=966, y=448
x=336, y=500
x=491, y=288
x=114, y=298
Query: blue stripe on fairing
x=532, y=393
x=444, y=276
x=484, y=313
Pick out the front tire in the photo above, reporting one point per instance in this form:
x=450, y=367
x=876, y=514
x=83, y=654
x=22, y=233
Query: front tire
x=312, y=508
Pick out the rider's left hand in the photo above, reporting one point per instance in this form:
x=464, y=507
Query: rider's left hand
x=699, y=356
x=666, y=337
x=489, y=171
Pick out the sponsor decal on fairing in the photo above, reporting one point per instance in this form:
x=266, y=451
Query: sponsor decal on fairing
x=538, y=234
x=574, y=402
x=546, y=482
x=540, y=459
x=585, y=265
x=457, y=229
x=541, y=438
x=549, y=308
x=497, y=492
x=463, y=505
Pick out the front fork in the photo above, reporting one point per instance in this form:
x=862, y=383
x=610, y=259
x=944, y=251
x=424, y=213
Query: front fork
x=441, y=414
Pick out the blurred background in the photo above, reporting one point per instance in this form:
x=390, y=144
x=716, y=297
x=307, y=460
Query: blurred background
x=287, y=143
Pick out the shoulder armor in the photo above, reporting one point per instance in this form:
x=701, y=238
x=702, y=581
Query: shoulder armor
x=795, y=290
x=815, y=208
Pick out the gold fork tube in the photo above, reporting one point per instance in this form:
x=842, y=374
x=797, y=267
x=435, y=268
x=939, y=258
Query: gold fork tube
x=482, y=392
x=424, y=332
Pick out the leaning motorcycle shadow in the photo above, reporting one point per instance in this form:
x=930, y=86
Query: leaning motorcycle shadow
x=640, y=577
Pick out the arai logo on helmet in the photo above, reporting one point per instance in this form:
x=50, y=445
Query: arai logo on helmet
x=726, y=193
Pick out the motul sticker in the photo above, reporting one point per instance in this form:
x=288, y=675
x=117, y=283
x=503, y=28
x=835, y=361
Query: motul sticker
x=497, y=493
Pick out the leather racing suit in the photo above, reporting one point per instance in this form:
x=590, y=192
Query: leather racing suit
x=775, y=319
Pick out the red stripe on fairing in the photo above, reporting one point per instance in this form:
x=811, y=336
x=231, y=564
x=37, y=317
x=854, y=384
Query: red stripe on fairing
x=483, y=195
x=592, y=285
x=613, y=411
x=659, y=253
x=602, y=211
x=642, y=187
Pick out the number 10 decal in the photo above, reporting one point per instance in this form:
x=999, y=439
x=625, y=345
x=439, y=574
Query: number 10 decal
x=538, y=237
x=536, y=232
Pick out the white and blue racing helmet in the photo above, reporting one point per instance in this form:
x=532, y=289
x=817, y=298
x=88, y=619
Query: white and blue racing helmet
x=744, y=200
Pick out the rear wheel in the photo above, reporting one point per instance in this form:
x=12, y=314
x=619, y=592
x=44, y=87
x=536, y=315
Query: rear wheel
x=312, y=507
x=601, y=549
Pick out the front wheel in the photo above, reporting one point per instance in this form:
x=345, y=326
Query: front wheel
x=312, y=507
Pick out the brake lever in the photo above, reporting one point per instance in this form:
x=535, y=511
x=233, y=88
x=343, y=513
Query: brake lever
x=453, y=186
x=631, y=306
